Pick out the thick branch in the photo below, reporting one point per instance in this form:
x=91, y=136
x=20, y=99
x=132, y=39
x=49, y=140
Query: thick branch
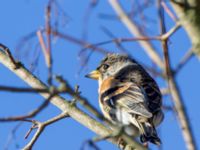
x=188, y=12
x=182, y=115
x=64, y=105
x=173, y=87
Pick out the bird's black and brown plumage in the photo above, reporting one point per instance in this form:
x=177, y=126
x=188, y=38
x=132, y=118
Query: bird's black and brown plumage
x=128, y=95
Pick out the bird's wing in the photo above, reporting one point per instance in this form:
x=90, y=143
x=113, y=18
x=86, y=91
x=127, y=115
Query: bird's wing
x=153, y=94
x=136, y=74
x=134, y=100
x=127, y=95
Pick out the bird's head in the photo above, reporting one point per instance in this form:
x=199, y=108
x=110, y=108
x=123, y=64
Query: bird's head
x=109, y=66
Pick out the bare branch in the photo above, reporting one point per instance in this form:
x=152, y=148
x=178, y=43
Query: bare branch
x=40, y=128
x=135, y=31
x=48, y=35
x=184, y=60
x=188, y=12
x=166, y=35
x=80, y=42
x=174, y=90
x=29, y=115
x=12, y=137
x=143, y=38
x=168, y=11
x=66, y=106
x=118, y=43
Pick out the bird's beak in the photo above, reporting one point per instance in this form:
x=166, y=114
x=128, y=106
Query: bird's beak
x=93, y=75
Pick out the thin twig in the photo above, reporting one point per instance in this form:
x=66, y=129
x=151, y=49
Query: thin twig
x=41, y=127
x=29, y=115
x=87, y=16
x=22, y=89
x=168, y=11
x=189, y=54
x=143, y=38
x=131, y=26
x=43, y=46
x=34, y=126
x=174, y=90
x=118, y=43
x=120, y=40
x=12, y=136
x=48, y=35
x=80, y=42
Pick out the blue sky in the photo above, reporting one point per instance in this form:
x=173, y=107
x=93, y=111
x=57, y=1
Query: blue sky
x=19, y=18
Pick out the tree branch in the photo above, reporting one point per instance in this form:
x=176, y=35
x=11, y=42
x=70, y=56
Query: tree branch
x=188, y=12
x=135, y=31
x=66, y=106
x=40, y=128
x=175, y=93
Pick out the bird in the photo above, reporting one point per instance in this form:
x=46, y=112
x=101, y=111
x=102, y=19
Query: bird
x=129, y=96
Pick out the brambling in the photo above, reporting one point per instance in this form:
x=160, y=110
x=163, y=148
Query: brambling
x=128, y=95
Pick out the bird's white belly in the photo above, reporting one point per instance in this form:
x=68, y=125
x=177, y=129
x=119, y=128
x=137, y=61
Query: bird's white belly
x=123, y=116
x=127, y=120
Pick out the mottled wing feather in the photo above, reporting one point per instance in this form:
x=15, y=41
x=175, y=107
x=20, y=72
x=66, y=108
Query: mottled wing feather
x=129, y=96
x=117, y=91
x=153, y=95
x=135, y=93
x=136, y=74
x=134, y=100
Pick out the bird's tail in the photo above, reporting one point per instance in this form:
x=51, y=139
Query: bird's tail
x=149, y=133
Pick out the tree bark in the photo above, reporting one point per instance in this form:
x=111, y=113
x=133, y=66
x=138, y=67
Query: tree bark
x=66, y=106
x=188, y=12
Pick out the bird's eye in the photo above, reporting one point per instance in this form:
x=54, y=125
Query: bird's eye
x=105, y=66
